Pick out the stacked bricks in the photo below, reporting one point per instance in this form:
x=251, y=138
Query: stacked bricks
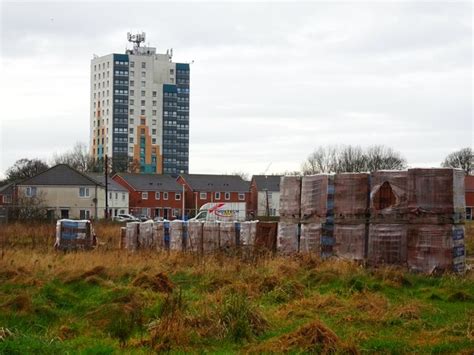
x=288, y=228
x=351, y=204
x=388, y=218
x=436, y=214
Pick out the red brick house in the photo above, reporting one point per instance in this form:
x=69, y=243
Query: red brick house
x=469, y=188
x=152, y=195
x=204, y=188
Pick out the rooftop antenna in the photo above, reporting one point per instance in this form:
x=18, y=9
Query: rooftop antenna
x=136, y=38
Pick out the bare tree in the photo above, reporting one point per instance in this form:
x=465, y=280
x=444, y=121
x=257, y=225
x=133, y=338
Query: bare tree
x=242, y=174
x=24, y=169
x=462, y=159
x=338, y=159
x=79, y=158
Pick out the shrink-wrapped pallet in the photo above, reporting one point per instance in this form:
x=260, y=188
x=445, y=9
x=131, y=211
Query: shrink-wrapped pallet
x=210, y=236
x=195, y=231
x=145, y=236
x=74, y=235
x=248, y=232
x=176, y=235
x=387, y=244
x=310, y=240
x=159, y=235
x=227, y=236
x=266, y=236
x=287, y=240
x=350, y=241
x=290, y=197
x=388, y=196
x=314, y=198
x=437, y=247
x=131, y=240
x=351, y=197
x=436, y=196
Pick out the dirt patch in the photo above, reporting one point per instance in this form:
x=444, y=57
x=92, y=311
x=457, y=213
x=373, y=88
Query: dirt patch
x=460, y=296
x=314, y=337
x=96, y=271
x=158, y=283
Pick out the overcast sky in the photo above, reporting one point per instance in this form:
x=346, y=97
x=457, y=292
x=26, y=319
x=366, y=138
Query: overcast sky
x=269, y=83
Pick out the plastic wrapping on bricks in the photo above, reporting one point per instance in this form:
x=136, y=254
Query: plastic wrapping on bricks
x=159, y=235
x=166, y=232
x=266, y=236
x=210, y=236
x=431, y=248
x=387, y=244
x=288, y=235
x=314, y=198
x=195, y=231
x=310, y=239
x=176, y=235
x=290, y=197
x=131, y=240
x=350, y=241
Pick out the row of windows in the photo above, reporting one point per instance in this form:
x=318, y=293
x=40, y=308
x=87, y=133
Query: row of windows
x=142, y=83
x=120, y=82
x=183, y=99
x=120, y=140
x=143, y=102
x=121, y=72
x=183, y=90
x=119, y=110
x=119, y=62
x=120, y=149
x=103, y=66
x=170, y=94
x=120, y=101
x=120, y=130
x=132, y=64
x=217, y=196
x=182, y=71
x=168, y=114
x=183, y=81
x=177, y=196
x=121, y=92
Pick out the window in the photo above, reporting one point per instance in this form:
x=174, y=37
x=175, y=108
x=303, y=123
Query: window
x=217, y=195
x=83, y=192
x=227, y=195
x=132, y=64
x=203, y=195
x=143, y=74
x=132, y=92
x=176, y=212
x=84, y=214
x=143, y=83
x=171, y=71
x=132, y=111
x=123, y=196
x=165, y=195
x=131, y=130
x=130, y=140
x=154, y=93
x=132, y=73
x=144, y=195
x=153, y=122
x=154, y=113
x=143, y=93
x=177, y=196
x=110, y=195
x=142, y=121
x=116, y=196
x=143, y=102
x=143, y=65
x=153, y=131
x=154, y=103
x=241, y=197
x=132, y=83
x=7, y=199
x=157, y=195
x=142, y=112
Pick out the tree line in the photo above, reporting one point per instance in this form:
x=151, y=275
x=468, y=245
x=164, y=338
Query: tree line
x=324, y=159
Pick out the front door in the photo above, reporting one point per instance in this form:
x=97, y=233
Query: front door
x=64, y=214
x=165, y=213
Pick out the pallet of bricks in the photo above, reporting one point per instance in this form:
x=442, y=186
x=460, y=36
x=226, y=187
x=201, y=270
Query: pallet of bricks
x=193, y=236
x=412, y=218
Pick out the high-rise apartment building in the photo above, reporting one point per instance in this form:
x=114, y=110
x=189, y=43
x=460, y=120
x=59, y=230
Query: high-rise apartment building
x=140, y=110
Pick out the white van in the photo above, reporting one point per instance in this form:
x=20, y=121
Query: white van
x=222, y=211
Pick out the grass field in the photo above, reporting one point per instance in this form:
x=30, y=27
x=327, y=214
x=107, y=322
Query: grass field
x=109, y=301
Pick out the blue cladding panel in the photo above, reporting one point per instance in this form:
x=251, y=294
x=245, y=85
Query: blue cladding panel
x=121, y=57
x=182, y=66
x=169, y=88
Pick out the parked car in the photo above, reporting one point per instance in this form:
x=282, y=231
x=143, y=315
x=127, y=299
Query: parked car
x=143, y=218
x=126, y=218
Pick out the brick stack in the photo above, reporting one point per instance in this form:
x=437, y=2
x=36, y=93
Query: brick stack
x=351, y=202
x=314, y=212
x=436, y=215
x=288, y=228
x=388, y=218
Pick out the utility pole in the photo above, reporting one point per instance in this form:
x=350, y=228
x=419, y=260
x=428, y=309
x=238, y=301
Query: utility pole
x=106, y=168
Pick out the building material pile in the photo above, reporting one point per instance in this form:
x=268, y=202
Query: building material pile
x=210, y=237
x=176, y=235
x=290, y=202
x=387, y=242
x=131, y=238
x=436, y=208
x=412, y=217
x=158, y=230
x=145, y=236
x=195, y=233
x=227, y=235
x=248, y=232
x=74, y=235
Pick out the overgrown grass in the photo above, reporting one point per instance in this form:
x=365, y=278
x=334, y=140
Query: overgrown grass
x=108, y=301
